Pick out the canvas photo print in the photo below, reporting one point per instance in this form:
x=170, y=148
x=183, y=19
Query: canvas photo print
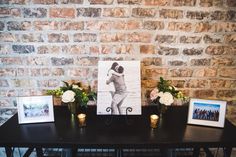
x=119, y=88
x=35, y=109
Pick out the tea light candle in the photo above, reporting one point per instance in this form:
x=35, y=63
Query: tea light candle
x=153, y=120
x=82, y=118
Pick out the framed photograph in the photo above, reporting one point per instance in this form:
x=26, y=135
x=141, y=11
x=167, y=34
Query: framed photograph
x=119, y=88
x=35, y=109
x=6, y=113
x=207, y=112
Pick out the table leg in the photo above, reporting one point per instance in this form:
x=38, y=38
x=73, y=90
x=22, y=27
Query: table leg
x=28, y=152
x=227, y=151
x=196, y=152
x=9, y=151
x=118, y=152
x=208, y=152
x=39, y=152
x=74, y=151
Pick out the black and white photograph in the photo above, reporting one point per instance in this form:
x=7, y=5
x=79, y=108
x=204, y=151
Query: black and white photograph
x=119, y=88
x=207, y=112
x=35, y=109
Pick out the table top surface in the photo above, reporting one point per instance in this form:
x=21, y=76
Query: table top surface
x=172, y=131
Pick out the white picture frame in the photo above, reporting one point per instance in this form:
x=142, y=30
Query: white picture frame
x=35, y=109
x=130, y=103
x=207, y=112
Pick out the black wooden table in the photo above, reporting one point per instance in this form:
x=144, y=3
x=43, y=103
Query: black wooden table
x=125, y=132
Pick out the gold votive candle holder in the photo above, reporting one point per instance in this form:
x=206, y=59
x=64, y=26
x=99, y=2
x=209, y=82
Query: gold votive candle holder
x=154, y=120
x=82, y=119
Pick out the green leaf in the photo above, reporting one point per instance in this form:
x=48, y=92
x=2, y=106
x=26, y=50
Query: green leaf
x=161, y=79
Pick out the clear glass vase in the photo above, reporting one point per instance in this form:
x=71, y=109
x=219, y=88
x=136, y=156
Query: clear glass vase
x=73, y=108
x=162, y=110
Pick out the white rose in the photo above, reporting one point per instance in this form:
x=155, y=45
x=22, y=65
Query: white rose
x=68, y=96
x=166, y=99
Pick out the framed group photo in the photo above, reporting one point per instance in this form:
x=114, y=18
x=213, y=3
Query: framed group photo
x=207, y=112
x=35, y=109
x=119, y=88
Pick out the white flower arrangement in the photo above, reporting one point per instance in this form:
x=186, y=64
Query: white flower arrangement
x=74, y=92
x=165, y=94
x=165, y=98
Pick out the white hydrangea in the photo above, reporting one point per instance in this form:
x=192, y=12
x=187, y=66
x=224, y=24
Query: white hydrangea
x=68, y=96
x=166, y=99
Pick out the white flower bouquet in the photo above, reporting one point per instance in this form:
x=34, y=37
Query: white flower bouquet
x=165, y=94
x=74, y=93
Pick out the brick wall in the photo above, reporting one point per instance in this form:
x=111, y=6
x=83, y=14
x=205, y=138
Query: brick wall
x=190, y=42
